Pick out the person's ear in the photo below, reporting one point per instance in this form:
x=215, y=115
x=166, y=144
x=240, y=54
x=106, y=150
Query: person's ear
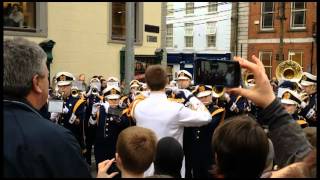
x=36, y=84
x=118, y=161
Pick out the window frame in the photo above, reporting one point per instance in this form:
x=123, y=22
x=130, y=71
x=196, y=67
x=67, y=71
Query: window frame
x=211, y=32
x=41, y=29
x=291, y=16
x=189, y=14
x=168, y=9
x=169, y=36
x=261, y=52
x=188, y=35
x=296, y=51
x=262, y=13
x=139, y=26
x=213, y=3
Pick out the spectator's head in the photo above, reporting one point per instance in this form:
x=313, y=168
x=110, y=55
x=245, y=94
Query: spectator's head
x=156, y=77
x=25, y=74
x=135, y=150
x=169, y=156
x=82, y=77
x=240, y=147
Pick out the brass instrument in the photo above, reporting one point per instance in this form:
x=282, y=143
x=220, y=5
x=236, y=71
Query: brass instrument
x=289, y=71
x=74, y=93
x=218, y=91
x=248, y=79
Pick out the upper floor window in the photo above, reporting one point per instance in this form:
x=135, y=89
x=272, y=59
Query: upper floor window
x=211, y=34
x=169, y=37
x=267, y=15
x=189, y=8
x=188, y=35
x=213, y=7
x=118, y=21
x=170, y=10
x=25, y=18
x=298, y=15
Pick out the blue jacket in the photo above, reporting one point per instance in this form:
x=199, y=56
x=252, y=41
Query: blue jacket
x=36, y=147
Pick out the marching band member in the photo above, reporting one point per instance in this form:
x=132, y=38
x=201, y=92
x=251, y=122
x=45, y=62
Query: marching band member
x=199, y=155
x=73, y=114
x=109, y=121
x=309, y=85
x=126, y=100
x=290, y=100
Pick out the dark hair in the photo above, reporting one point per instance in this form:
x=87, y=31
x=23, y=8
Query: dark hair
x=241, y=148
x=136, y=147
x=156, y=77
x=169, y=157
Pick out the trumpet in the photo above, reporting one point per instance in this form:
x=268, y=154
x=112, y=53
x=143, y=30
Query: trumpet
x=218, y=91
x=289, y=71
x=74, y=93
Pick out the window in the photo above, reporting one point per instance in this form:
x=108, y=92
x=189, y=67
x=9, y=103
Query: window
x=188, y=35
x=213, y=7
x=266, y=58
x=169, y=37
x=211, y=34
x=118, y=21
x=25, y=18
x=267, y=14
x=170, y=10
x=296, y=55
x=298, y=15
x=189, y=8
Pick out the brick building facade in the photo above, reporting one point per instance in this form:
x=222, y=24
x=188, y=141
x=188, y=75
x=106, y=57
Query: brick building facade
x=299, y=34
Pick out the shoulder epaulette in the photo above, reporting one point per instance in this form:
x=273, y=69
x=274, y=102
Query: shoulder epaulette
x=179, y=100
x=78, y=103
x=217, y=111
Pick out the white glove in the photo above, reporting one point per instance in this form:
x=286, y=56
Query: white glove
x=54, y=116
x=72, y=118
x=227, y=97
x=65, y=110
x=303, y=105
x=92, y=121
x=310, y=113
x=95, y=108
x=106, y=106
x=233, y=107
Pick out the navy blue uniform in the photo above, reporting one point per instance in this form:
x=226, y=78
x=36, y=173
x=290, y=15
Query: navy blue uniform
x=90, y=130
x=76, y=129
x=109, y=127
x=312, y=106
x=242, y=106
x=198, y=151
x=36, y=147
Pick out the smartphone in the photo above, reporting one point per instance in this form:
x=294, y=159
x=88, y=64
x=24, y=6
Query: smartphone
x=217, y=72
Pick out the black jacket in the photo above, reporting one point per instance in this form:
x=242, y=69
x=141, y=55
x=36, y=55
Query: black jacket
x=36, y=147
x=289, y=141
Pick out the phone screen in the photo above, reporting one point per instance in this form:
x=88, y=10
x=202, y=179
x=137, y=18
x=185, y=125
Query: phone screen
x=217, y=72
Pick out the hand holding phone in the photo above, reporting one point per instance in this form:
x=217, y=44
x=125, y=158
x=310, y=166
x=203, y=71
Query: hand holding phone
x=262, y=94
x=217, y=72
